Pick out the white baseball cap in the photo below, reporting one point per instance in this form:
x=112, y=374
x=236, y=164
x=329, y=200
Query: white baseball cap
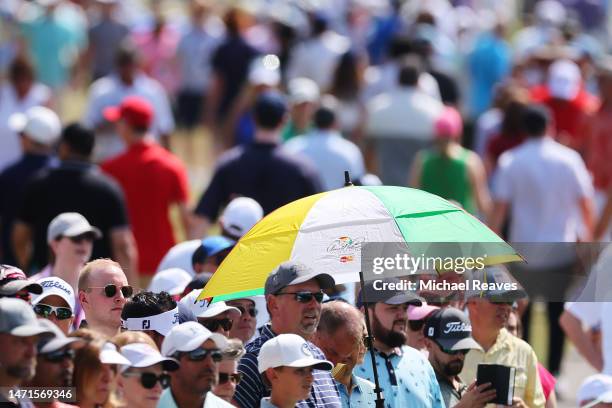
x=70, y=224
x=39, y=123
x=564, y=79
x=172, y=280
x=110, y=355
x=143, y=355
x=265, y=71
x=597, y=387
x=55, y=286
x=189, y=336
x=303, y=90
x=161, y=323
x=240, y=215
x=289, y=350
x=203, y=308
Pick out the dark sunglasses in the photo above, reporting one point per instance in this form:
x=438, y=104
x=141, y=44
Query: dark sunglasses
x=148, y=380
x=453, y=352
x=80, y=238
x=213, y=325
x=416, y=325
x=62, y=313
x=200, y=354
x=59, y=355
x=305, y=297
x=110, y=290
x=234, y=377
x=252, y=311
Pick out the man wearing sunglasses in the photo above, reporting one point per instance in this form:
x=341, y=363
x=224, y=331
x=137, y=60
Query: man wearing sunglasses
x=448, y=338
x=489, y=311
x=398, y=365
x=199, y=353
x=56, y=303
x=293, y=297
x=54, y=362
x=217, y=317
x=103, y=291
x=244, y=327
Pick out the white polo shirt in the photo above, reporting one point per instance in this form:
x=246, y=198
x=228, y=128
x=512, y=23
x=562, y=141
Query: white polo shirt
x=543, y=181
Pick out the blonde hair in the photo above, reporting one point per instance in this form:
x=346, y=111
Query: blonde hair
x=234, y=350
x=131, y=337
x=92, y=266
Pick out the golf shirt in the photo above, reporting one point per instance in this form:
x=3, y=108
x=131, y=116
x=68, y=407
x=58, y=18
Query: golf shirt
x=166, y=400
x=152, y=179
x=362, y=393
x=250, y=390
x=510, y=351
x=406, y=378
x=451, y=395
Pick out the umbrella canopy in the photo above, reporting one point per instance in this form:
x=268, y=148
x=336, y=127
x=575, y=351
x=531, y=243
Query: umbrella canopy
x=326, y=231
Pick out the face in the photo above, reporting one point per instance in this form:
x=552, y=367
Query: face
x=102, y=385
x=197, y=376
x=18, y=357
x=447, y=364
x=226, y=389
x=339, y=348
x=73, y=250
x=23, y=84
x=54, y=300
x=416, y=339
x=54, y=369
x=492, y=315
x=134, y=393
x=292, y=316
x=513, y=325
x=98, y=307
x=301, y=113
x=389, y=323
x=294, y=382
x=206, y=322
x=245, y=326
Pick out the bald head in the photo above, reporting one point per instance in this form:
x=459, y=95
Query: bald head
x=340, y=332
x=338, y=314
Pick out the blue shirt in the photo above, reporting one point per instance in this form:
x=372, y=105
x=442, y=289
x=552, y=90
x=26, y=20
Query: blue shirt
x=406, y=378
x=250, y=390
x=362, y=394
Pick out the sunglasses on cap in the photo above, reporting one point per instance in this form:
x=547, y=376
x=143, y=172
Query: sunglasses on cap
x=148, y=380
x=305, y=297
x=200, y=354
x=213, y=325
x=110, y=290
x=233, y=377
x=416, y=325
x=61, y=313
x=58, y=356
x=251, y=310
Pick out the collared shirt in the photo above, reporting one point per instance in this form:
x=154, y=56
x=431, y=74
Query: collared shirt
x=362, y=393
x=251, y=389
x=450, y=394
x=406, y=378
x=510, y=351
x=265, y=403
x=166, y=400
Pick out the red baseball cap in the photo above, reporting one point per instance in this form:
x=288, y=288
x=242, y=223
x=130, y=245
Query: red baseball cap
x=136, y=111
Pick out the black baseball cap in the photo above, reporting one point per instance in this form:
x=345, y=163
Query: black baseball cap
x=451, y=329
x=387, y=291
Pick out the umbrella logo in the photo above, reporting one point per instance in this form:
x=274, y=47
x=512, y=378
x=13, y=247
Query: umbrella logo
x=345, y=247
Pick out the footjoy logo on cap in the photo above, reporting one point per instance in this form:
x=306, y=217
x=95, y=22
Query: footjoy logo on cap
x=453, y=327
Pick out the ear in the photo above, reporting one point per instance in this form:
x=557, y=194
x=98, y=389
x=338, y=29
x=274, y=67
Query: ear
x=83, y=298
x=272, y=303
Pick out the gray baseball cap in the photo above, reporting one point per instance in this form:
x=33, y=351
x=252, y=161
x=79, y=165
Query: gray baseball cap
x=70, y=224
x=57, y=341
x=386, y=291
x=292, y=273
x=18, y=319
x=493, y=283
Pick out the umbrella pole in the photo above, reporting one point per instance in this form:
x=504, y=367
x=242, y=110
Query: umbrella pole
x=380, y=401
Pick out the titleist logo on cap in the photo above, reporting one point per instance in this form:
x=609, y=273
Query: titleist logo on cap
x=453, y=327
x=54, y=284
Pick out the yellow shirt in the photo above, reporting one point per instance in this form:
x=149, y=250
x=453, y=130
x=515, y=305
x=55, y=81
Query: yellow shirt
x=514, y=352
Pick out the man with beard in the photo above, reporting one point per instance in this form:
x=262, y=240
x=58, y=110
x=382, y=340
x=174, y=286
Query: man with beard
x=489, y=311
x=54, y=363
x=19, y=333
x=448, y=338
x=293, y=298
x=398, y=365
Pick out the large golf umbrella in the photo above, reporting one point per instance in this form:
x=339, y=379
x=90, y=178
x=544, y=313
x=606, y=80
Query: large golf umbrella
x=326, y=231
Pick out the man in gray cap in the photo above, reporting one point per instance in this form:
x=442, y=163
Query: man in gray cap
x=448, y=338
x=19, y=334
x=293, y=298
x=13, y=283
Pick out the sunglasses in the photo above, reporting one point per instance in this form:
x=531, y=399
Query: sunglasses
x=416, y=325
x=59, y=355
x=453, y=352
x=79, y=238
x=61, y=313
x=233, y=377
x=148, y=380
x=213, y=325
x=305, y=297
x=200, y=354
x=252, y=311
x=110, y=290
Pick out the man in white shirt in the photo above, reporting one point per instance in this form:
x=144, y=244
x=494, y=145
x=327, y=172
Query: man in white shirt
x=110, y=90
x=327, y=149
x=400, y=123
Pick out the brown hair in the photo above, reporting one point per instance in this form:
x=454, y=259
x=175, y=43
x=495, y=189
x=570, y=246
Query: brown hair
x=131, y=337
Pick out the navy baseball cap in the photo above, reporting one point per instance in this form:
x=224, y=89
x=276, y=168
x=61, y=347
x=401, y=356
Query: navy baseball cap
x=451, y=329
x=269, y=109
